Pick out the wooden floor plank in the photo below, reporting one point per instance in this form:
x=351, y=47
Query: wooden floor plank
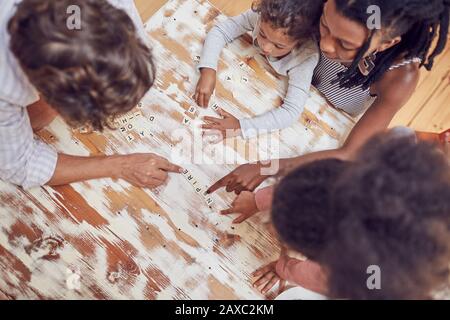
x=435, y=116
x=426, y=98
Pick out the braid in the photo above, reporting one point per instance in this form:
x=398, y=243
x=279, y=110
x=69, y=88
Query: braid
x=346, y=78
x=416, y=21
x=443, y=31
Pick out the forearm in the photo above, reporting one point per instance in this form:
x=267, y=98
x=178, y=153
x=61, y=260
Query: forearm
x=293, y=103
x=214, y=43
x=374, y=121
x=276, y=119
x=306, y=274
x=287, y=165
x=264, y=198
x=70, y=169
x=225, y=33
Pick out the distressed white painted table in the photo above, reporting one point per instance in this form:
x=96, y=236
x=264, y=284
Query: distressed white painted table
x=106, y=239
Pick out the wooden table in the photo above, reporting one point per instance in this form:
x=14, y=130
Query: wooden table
x=105, y=239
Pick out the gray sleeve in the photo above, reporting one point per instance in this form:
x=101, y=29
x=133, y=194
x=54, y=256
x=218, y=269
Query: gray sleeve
x=300, y=78
x=223, y=34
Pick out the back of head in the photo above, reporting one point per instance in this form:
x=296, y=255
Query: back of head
x=301, y=211
x=87, y=74
x=395, y=204
x=299, y=17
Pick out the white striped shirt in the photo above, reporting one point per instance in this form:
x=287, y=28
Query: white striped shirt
x=25, y=160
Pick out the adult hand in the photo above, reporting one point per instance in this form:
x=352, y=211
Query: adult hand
x=246, y=177
x=145, y=170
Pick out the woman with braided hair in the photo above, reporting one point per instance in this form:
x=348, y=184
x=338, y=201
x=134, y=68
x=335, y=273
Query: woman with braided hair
x=363, y=71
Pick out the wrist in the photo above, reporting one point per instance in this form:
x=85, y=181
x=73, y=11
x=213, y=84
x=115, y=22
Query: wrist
x=286, y=267
x=255, y=208
x=263, y=198
x=281, y=267
x=208, y=72
x=116, y=166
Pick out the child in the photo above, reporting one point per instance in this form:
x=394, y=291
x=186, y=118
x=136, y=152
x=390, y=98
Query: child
x=389, y=209
x=284, y=32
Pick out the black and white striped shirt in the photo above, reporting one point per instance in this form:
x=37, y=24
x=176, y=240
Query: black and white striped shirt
x=354, y=101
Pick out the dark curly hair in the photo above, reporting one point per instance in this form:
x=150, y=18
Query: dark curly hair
x=300, y=17
x=87, y=75
x=418, y=22
x=300, y=211
x=390, y=208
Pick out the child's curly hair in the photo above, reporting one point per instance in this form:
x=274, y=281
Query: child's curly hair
x=87, y=75
x=299, y=210
x=300, y=17
x=390, y=208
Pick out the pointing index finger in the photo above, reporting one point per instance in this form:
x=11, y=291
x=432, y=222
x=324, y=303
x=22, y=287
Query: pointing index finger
x=219, y=184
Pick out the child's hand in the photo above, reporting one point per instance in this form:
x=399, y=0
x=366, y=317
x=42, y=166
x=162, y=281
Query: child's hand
x=205, y=87
x=267, y=278
x=229, y=126
x=245, y=205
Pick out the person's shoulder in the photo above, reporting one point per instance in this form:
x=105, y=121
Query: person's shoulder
x=250, y=17
x=398, y=84
x=251, y=14
x=15, y=87
x=307, y=54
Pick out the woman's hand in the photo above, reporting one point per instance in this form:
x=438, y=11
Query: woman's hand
x=205, y=87
x=246, y=177
x=244, y=205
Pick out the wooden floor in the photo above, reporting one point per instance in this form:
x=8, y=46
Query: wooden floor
x=428, y=109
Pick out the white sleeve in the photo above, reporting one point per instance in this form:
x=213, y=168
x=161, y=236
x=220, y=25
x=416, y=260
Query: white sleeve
x=224, y=33
x=300, y=78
